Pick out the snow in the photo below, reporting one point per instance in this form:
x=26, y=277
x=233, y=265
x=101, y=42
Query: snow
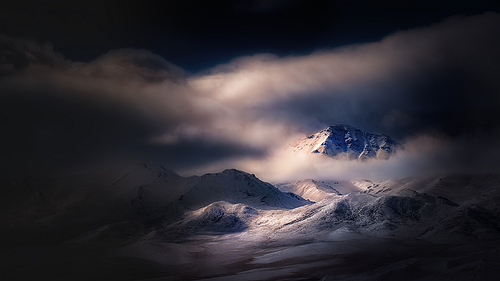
x=218, y=217
x=309, y=189
x=144, y=222
x=235, y=186
x=347, y=142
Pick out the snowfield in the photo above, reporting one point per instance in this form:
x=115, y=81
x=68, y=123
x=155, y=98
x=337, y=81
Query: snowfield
x=144, y=222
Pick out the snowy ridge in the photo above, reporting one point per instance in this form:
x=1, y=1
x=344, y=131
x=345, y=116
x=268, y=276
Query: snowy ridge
x=416, y=215
x=353, y=143
x=309, y=189
x=232, y=224
x=235, y=187
x=218, y=217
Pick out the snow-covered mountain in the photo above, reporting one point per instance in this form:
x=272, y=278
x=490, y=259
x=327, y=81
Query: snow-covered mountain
x=123, y=191
x=396, y=209
x=146, y=221
x=135, y=191
x=309, y=189
x=221, y=217
x=235, y=186
x=347, y=141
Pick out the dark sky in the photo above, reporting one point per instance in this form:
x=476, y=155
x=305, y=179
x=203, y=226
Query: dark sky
x=196, y=35
x=200, y=86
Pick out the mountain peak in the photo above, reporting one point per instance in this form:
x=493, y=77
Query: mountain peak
x=346, y=141
x=340, y=127
x=236, y=186
x=233, y=171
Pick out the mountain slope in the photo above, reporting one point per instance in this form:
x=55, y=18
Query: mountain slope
x=125, y=191
x=235, y=187
x=231, y=225
x=309, y=189
x=218, y=217
x=405, y=214
x=348, y=141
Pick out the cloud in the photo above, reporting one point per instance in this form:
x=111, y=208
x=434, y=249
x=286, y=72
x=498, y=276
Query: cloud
x=420, y=73
x=423, y=155
x=17, y=54
x=131, y=64
x=132, y=104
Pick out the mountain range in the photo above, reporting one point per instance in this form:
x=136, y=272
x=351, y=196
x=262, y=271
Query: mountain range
x=142, y=221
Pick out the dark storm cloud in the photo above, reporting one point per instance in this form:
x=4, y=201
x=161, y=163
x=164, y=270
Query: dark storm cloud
x=17, y=53
x=439, y=81
x=49, y=129
x=442, y=77
x=124, y=64
x=60, y=117
x=433, y=88
x=46, y=132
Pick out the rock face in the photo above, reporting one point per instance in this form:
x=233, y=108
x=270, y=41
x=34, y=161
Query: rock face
x=349, y=142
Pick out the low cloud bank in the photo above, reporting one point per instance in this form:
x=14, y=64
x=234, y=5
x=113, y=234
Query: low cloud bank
x=423, y=155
